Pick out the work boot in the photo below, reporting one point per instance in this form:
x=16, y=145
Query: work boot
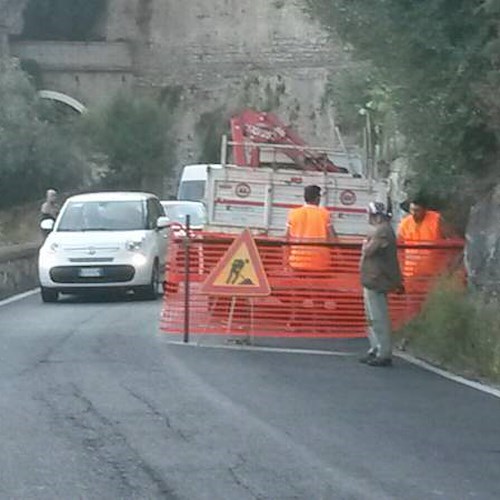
x=370, y=355
x=379, y=362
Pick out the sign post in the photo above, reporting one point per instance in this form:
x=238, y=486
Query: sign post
x=187, y=265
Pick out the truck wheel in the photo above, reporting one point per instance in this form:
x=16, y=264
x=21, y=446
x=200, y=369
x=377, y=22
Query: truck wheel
x=49, y=295
x=150, y=291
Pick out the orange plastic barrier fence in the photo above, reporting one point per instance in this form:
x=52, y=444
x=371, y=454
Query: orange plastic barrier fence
x=326, y=304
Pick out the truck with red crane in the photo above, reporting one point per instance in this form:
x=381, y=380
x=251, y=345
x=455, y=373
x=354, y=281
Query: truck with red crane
x=270, y=166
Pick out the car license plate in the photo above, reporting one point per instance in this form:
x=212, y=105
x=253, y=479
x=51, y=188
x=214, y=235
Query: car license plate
x=90, y=272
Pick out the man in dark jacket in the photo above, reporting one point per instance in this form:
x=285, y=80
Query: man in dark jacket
x=380, y=274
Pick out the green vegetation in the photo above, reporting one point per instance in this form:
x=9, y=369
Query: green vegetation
x=125, y=145
x=33, y=70
x=35, y=152
x=458, y=331
x=20, y=224
x=209, y=130
x=132, y=133
x=437, y=61
x=264, y=95
x=71, y=20
x=359, y=90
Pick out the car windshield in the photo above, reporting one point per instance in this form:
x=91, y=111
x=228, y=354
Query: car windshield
x=177, y=213
x=103, y=216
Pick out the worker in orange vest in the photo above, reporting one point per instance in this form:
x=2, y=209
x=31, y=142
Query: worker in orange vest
x=420, y=226
x=310, y=223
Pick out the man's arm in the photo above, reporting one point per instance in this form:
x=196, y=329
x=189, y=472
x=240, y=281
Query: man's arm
x=378, y=241
x=330, y=230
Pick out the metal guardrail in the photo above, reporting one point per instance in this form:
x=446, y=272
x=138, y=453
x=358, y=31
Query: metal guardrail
x=18, y=268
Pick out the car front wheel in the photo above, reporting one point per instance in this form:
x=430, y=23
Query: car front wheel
x=150, y=291
x=49, y=295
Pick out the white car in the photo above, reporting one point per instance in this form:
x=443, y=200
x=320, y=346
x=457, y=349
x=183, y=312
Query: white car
x=176, y=211
x=104, y=240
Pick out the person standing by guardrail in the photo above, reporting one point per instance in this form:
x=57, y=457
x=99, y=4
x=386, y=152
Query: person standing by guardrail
x=380, y=274
x=50, y=207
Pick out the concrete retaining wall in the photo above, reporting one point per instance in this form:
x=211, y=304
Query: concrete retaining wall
x=18, y=269
x=104, y=57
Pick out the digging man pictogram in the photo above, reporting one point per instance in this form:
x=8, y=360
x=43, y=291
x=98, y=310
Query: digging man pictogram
x=237, y=266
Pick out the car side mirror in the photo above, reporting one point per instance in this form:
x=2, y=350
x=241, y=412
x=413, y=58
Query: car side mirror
x=47, y=225
x=162, y=222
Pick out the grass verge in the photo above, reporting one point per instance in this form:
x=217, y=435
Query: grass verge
x=20, y=224
x=457, y=331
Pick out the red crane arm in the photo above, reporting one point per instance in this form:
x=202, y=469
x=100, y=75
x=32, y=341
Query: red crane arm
x=259, y=127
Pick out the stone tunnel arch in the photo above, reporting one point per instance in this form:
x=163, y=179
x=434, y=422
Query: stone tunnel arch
x=64, y=99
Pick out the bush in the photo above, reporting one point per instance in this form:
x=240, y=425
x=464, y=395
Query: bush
x=133, y=134
x=34, y=153
x=458, y=331
x=439, y=62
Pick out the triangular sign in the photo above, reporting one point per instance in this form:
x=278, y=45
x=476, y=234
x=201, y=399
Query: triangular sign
x=240, y=272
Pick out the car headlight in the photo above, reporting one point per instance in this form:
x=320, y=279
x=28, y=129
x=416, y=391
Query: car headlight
x=139, y=260
x=48, y=255
x=134, y=245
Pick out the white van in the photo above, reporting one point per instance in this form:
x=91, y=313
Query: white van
x=192, y=186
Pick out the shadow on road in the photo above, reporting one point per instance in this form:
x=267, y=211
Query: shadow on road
x=96, y=297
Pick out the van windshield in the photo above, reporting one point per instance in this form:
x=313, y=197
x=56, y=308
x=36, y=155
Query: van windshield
x=191, y=190
x=103, y=216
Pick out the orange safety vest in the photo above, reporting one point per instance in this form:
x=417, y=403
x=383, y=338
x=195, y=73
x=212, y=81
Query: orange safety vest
x=420, y=262
x=309, y=223
x=429, y=229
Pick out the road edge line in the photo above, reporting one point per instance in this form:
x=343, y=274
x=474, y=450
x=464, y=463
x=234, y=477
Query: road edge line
x=248, y=348
x=492, y=391
x=19, y=296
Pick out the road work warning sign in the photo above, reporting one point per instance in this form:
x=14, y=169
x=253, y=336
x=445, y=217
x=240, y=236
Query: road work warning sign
x=240, y=271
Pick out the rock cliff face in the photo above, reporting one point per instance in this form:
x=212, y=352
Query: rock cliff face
x=11, y=15
x=482, y=255
x=221, y=55
x=209, y=58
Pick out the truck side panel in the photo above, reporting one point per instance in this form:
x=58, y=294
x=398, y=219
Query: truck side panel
x=261, y=198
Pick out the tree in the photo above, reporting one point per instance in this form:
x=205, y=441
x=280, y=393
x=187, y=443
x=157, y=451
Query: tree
x=433, y=57
x=133, y=133
x=35, y=153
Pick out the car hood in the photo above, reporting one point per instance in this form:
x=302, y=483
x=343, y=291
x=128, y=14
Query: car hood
x=68, y=239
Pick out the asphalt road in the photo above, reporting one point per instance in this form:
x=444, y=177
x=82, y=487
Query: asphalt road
x=94, y=403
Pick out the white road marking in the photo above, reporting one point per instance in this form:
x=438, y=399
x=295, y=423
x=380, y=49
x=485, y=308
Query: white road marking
x=20, y=296
x=240, y=347
x=492, y=391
